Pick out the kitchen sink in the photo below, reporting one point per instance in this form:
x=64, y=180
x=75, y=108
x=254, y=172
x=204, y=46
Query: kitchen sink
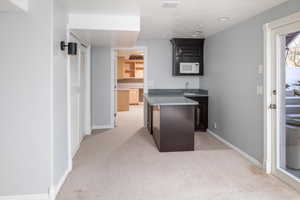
x=190, y=94
x=193, y=94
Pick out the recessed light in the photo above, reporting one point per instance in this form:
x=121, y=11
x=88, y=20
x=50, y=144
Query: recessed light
x=224, y=19
x=170, y=3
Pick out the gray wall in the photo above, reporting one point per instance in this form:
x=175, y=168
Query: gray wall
x=60, y=132
x=25, y=100
x=160, y=67
x=231, y=61
x=101, y=84
x=159, y=76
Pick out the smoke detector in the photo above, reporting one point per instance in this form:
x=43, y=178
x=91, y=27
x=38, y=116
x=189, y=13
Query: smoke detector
x=170, y=3
x=224, y=19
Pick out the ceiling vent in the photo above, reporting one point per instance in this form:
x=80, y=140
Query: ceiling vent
x=170, y=3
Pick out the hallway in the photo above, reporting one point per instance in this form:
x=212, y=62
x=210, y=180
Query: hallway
x=124, y=164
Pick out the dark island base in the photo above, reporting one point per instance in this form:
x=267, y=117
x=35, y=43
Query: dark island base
x=173, y=127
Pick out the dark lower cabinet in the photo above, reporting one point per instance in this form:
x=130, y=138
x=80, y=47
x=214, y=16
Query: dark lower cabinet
x=149, y=118
x=201, y=113
x=173, y=128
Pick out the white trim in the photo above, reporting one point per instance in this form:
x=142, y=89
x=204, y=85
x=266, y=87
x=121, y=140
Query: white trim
x=55, y=190
x=288, y=178
x=284, y=21
x=89, y=132
x=88, y=88
x=26, y=197
x=21, y=4
x=79, y=40
x=69, y=89
x=109, y=126
x=86, y=93
x=267, y=163
x=76, y=150
x=140, y=48
x=244, y=154
x=268, y=63
x=51, y=97
x=112, y=85
x=104, y=22
x=69, y=107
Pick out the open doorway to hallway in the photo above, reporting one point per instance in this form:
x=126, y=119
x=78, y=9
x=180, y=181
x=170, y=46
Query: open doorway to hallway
x=129, y=81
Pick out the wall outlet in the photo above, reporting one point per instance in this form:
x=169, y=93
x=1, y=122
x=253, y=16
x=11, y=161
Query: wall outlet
x=215, y=125
x=260, y=69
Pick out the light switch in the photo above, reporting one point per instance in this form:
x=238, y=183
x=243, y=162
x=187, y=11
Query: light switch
x=260, y=69
x=260, y=90
x=151, y=84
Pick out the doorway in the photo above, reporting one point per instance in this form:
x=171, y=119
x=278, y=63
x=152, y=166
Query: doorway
x=129, y=81
x=282, y=99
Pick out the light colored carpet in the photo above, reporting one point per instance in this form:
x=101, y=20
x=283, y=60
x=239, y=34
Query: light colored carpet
x=124, y=164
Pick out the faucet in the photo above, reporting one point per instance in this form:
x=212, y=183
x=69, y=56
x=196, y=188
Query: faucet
x=187, y=85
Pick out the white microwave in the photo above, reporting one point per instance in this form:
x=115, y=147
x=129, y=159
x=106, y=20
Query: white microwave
x=189, y=68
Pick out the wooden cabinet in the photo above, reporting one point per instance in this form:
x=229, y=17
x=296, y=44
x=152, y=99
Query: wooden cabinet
x=173, y=128
x=123, y=100
x=133, y=96
x=186, y=50
x=130, y=69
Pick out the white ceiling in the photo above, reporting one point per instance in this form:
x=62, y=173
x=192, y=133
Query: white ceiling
x=105, y=38
x=105, y=30
x=127, y=53
x=190, y=16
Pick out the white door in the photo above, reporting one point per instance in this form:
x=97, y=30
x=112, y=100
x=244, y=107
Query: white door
x=79, y=110
x=83, y=90
x=281, y=138
x=75, y=102
x=115, y=85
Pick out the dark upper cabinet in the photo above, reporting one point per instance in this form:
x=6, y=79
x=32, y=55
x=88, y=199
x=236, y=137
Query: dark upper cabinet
x=187, y=57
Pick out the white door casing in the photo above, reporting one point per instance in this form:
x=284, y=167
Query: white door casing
x=79, y=96
x=274, y=120
x=83, y=91
x=75, y=103
x=114, y=64
x=115, y=57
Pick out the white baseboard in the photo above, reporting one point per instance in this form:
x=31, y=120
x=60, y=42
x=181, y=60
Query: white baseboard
x=56, y=188
x=26, y=197
x=88, y=132
x=109, y=126
x=244, y=154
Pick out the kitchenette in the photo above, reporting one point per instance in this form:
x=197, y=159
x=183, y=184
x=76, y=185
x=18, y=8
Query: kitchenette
x=173, y=115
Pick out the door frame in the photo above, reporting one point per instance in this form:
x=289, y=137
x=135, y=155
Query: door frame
x=87, y=93
x=271, y=60
x=114, y=73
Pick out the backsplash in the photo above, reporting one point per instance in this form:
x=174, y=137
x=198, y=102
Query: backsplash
x=175, y=91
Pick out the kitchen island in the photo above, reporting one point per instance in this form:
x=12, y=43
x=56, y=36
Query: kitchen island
x=171, y=121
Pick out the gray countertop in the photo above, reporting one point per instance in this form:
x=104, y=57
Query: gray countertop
x=169, y=97
x=188, y=94
x=169, y=100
